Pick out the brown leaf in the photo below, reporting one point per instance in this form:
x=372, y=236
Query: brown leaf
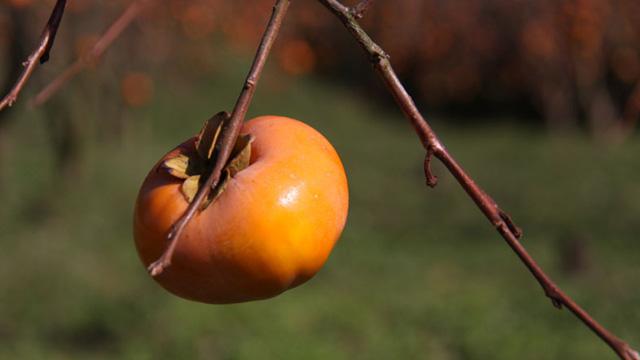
x=190, y=187
x=241, y=155
x=208, y=136
x=192, y=169
x=177, y=166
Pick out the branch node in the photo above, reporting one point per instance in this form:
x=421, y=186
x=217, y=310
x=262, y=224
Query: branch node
x=552, y=292
x=249, y=84
x=432, y=180
x=515, y=230
x=359, y=9
x=556, y=303
x=379, y=56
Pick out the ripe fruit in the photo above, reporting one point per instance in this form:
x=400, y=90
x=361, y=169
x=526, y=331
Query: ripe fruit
x=270, y=229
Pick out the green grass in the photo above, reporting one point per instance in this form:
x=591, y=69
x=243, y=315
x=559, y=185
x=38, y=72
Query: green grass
x=418, y=273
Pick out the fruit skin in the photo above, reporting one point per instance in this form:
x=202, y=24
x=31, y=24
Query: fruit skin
x=270, y=230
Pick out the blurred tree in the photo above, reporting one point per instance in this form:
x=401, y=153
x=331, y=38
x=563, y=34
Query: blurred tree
x=572, y=63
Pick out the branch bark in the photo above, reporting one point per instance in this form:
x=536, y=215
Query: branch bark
x=99, y=48
x=434, y=148
x=41, y=53
x=229, y=134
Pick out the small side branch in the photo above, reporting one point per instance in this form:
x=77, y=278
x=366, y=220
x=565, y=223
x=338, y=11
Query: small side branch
x=229, y=134
x=40, y=54
x=93, y=56
x=432, y=180
x=360, y=8
x=434, y=148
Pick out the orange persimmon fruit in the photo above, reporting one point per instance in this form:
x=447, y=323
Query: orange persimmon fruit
x=270, y=228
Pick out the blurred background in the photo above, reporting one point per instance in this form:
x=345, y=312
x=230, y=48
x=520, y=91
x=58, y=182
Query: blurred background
x=538, y=100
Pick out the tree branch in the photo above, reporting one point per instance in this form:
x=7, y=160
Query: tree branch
x=503, y=223
x=229, y=135
x=41, y=53
x=96, y=52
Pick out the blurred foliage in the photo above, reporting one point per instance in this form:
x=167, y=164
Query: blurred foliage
x=572, y=63
x=418, y=273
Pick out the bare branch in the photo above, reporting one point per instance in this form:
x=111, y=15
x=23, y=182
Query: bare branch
x=229, y=134
x=40, y=54
x=96, y=52
x=503, y=223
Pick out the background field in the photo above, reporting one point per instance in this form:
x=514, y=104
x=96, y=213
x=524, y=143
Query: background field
x=418, y=273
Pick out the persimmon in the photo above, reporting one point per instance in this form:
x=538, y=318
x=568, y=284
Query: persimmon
x=269, y=228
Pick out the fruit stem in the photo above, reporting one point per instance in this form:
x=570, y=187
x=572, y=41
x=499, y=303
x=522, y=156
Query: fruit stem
x=40, y=54
x=229, y=134
x=434, y=148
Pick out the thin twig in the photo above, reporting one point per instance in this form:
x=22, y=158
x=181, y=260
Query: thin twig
x=40, y=54
x=503, y=223
x=360, y=8
x=229, y=134
x=93, y=55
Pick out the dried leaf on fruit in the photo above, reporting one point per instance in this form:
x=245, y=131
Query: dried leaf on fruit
x=208, y=136
x=194, y=165
x=177, y=166
x=182, y=166
x=190, y=187
x=241, y=155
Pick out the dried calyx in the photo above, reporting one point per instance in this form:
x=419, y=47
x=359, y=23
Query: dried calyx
x=195, y=165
